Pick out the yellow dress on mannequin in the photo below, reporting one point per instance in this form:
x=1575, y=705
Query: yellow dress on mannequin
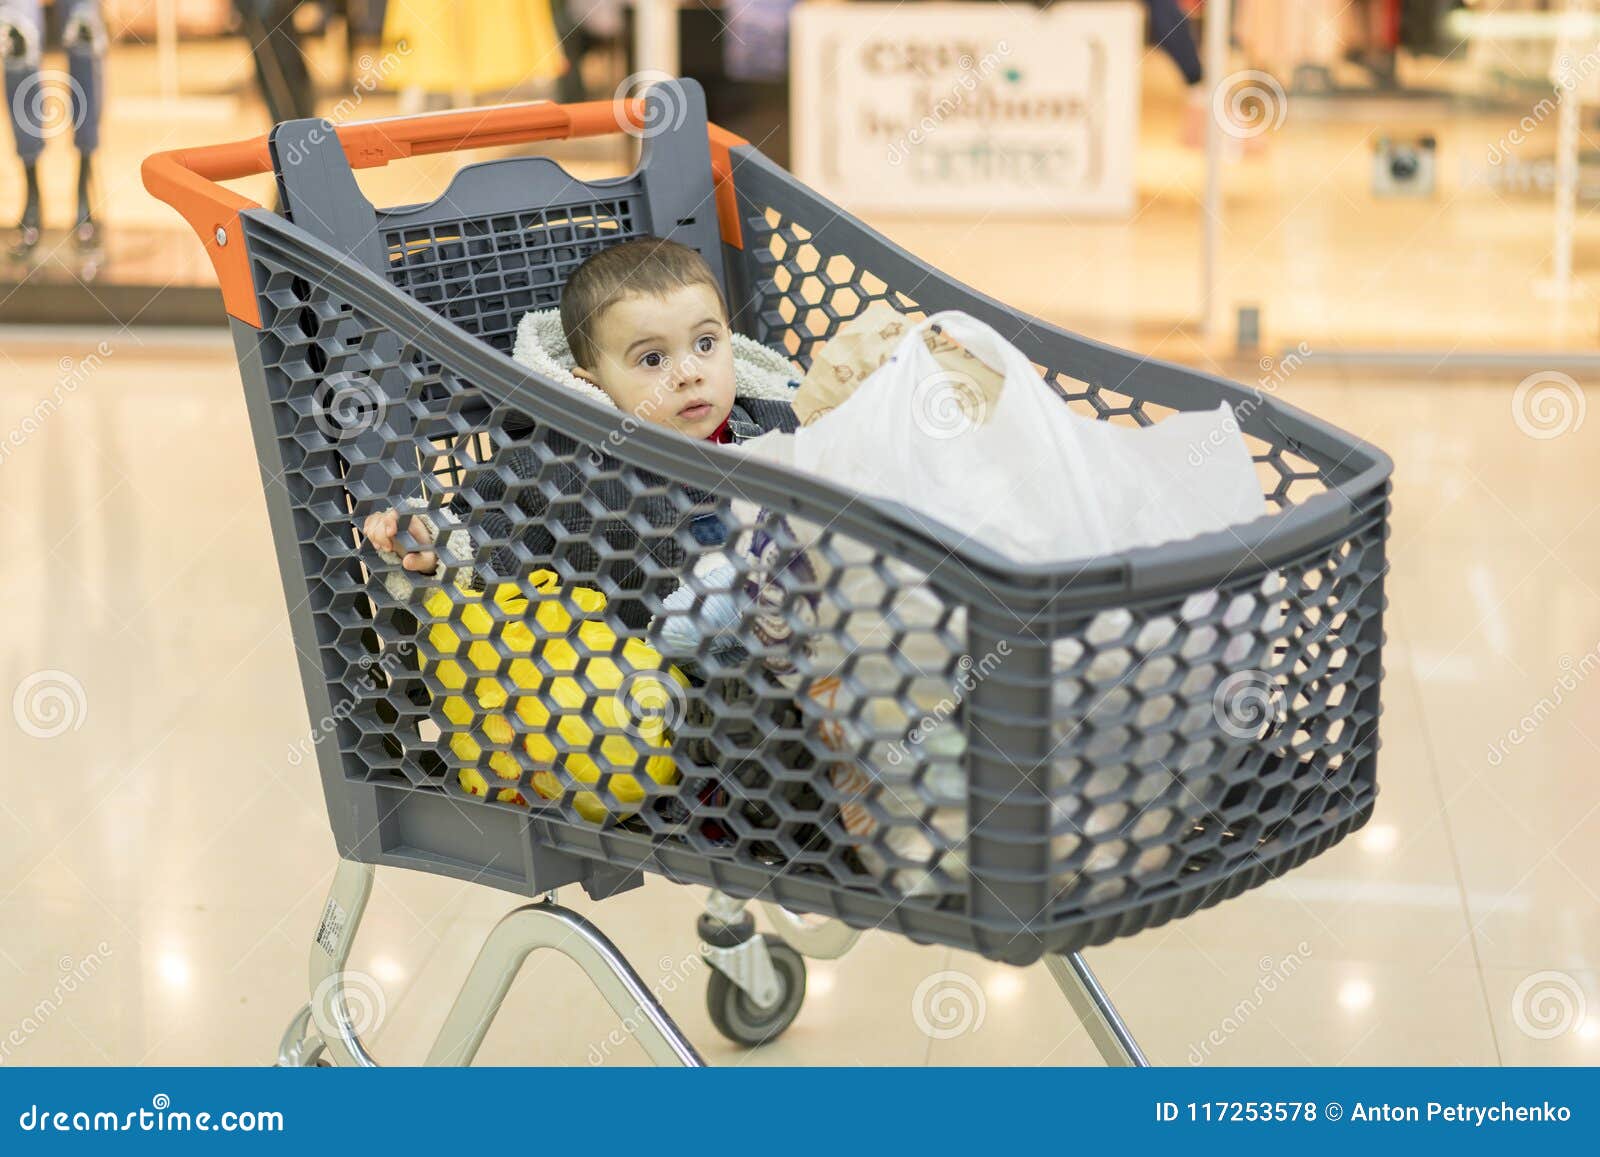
x=482, y=46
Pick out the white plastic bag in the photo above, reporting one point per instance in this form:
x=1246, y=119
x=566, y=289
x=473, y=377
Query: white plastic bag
x=1026, y=475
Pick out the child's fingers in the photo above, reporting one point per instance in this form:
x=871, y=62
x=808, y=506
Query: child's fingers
x=422, y=561
x=380, y=529
x=419, y=530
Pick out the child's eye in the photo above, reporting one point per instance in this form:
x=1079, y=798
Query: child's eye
x=706, y=344
x=653, y=360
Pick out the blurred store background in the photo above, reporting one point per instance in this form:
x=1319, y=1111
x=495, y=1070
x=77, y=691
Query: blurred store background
x=1401, y=176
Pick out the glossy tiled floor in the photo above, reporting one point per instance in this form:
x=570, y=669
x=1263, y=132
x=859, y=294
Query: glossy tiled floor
x=163, y=859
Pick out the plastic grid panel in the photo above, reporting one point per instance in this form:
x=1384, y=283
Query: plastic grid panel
x=1194, y=741
x=531, y=688
x=1190, y=741
x=484, y=273
x=805, y=289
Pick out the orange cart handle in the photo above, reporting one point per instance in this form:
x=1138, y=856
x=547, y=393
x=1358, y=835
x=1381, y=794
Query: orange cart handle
x=187, y=179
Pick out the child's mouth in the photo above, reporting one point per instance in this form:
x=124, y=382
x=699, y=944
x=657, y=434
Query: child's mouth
x=694, y=411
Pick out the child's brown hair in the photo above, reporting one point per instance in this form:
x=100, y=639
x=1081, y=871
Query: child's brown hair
x=649, y=265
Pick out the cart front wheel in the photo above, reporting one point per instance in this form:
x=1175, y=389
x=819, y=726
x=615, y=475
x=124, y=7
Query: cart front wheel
x=739, y=1018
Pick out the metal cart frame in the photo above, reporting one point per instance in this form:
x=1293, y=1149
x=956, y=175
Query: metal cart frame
x=322, y=1032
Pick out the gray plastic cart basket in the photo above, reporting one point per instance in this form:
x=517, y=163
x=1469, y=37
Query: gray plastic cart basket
x=1021, y=761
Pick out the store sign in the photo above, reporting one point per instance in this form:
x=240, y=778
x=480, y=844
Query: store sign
x=968, y=108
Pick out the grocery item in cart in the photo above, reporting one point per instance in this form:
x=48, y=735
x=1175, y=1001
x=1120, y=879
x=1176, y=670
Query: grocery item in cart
x=1024, y=470
x=1016, y=469
x=867, y=341
x=539, y=702
x=540, y=695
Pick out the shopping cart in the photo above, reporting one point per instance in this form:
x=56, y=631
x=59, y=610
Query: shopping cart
x=1134, y=738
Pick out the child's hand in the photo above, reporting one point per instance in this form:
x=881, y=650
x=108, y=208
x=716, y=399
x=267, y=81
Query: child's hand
x=381, y=529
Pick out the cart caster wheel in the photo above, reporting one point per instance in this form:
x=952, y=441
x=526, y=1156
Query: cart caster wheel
x=743, y=1021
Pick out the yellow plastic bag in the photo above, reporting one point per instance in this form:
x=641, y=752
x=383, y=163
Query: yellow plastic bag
x=525, y=702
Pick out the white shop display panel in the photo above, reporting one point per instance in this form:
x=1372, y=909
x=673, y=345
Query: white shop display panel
x=959, y=108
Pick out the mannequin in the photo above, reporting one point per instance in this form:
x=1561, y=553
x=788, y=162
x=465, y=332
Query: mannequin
x=21, y=45
x=280, y=60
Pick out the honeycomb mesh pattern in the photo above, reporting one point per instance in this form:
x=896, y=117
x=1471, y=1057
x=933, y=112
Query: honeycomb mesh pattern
x=1191, y=740
x=804, y=292
x=782, y=706
x=485, y=273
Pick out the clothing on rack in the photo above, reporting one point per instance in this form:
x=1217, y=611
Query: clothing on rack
x=1422, y=25
x=756, y=46
x=1170, y=31
x=478, y=46
x=1286, y=36
x=280, y=62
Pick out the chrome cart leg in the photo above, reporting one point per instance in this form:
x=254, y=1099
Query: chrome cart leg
x=546, y=925
x=1094, y=1008
x=815, y=936
x=330, y=1006
x=541, y=925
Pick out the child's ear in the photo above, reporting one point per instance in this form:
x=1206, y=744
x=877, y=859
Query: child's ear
x=584, y=375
